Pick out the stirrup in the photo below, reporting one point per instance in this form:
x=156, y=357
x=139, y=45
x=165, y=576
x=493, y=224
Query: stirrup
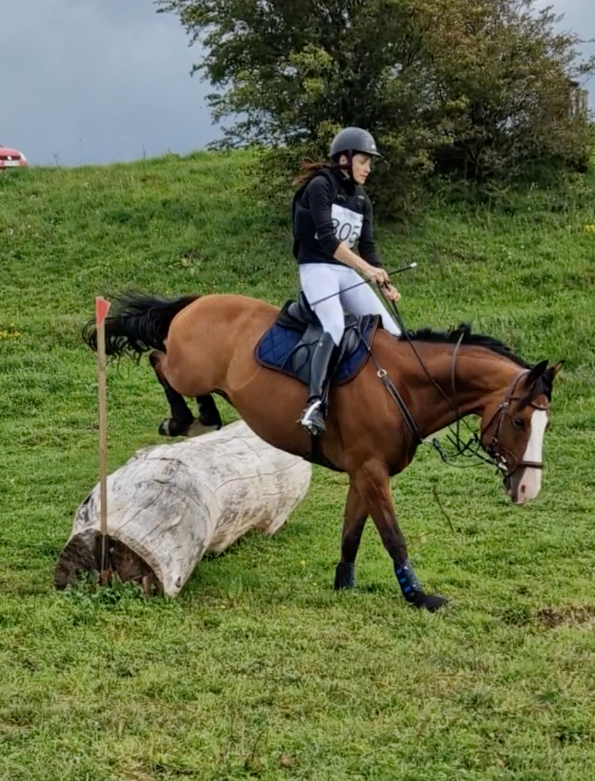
x=313, y=418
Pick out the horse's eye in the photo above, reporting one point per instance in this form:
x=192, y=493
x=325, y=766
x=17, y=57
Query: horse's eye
x=519, y=422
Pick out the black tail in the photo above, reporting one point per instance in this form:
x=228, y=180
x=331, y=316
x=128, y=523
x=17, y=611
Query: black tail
x=136, y=323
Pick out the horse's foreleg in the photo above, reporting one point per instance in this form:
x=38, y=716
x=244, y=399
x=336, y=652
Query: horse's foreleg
x=354, y=521
x=181, y=417
x=373, y=485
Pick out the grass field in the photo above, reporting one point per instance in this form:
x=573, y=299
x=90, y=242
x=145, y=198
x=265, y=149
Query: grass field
x=260, y=670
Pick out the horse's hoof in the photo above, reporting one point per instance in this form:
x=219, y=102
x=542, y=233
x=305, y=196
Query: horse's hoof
x=170, y=427
x=164, y=428
x=431, y=602
x=344, y=576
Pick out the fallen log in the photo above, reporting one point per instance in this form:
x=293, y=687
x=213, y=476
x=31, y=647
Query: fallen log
x=170, y=504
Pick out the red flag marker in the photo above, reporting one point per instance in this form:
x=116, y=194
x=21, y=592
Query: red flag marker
x=101, y=309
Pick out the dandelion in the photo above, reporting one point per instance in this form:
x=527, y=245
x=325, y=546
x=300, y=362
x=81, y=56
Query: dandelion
x=11, y=333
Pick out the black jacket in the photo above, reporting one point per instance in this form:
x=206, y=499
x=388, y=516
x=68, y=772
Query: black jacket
x=330, y=209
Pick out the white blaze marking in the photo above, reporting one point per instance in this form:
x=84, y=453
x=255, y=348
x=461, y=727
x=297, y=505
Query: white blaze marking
x=530, y=484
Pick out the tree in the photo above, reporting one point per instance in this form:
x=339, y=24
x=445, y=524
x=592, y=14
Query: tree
x=479, y=87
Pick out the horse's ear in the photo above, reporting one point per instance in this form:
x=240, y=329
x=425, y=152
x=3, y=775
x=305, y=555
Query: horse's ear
x=554, y=370
x=536, y=374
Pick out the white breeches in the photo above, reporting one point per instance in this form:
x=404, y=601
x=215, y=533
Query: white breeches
x=320, y=280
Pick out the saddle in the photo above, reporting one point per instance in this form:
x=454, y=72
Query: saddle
x=287, y=346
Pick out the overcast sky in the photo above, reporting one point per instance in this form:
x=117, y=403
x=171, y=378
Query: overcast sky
x=94, y=81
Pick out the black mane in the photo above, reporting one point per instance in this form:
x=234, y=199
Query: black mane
x=454, y=336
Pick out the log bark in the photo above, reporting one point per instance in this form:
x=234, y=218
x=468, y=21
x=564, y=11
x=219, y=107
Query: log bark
x=170, y=504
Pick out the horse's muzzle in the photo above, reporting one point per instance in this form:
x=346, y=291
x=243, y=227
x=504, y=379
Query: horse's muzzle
x=524, y=484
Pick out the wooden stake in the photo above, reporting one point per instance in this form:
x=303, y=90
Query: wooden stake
x=101, y=309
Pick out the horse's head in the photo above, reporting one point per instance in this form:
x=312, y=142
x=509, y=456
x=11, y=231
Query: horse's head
x=513, y=431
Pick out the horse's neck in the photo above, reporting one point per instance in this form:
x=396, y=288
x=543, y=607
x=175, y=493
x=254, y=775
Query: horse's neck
x=480, y=377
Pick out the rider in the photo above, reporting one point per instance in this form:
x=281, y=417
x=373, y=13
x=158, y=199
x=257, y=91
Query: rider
x=331, y=214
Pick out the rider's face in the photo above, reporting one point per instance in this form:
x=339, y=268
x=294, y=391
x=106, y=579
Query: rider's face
x=361, y=168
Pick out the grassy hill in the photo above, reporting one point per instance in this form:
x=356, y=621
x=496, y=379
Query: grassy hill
x=259, y=669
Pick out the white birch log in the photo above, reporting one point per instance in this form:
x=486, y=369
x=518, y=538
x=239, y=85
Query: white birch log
x=170, y=504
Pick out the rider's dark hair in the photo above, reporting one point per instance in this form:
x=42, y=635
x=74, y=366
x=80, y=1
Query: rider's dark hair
x=308, y=170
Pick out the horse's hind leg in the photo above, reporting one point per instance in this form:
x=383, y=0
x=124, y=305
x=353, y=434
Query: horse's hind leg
x=354, y=521
x=181, y=417
x=208, y=414
x=208, y=419
x=182, y=421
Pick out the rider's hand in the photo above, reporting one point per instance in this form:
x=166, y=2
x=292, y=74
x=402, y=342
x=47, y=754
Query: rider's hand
x=377, y=275
x=390, y=292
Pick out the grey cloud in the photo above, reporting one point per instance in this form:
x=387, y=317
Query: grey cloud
x=94, y=81
x=578, y=17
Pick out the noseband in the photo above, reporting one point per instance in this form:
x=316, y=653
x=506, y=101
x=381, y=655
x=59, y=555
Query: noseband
x=501, y=455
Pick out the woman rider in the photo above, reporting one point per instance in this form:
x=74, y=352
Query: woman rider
x=331, y=214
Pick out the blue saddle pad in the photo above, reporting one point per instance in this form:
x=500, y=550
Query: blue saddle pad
x=288, y=350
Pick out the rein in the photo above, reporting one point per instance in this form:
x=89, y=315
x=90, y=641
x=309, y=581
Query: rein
x=473, y=448
x=496, y=454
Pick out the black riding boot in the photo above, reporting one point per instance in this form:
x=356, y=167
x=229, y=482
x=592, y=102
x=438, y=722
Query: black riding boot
x=313, y=416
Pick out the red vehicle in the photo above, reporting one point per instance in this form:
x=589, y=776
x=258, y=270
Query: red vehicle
x=11, y=158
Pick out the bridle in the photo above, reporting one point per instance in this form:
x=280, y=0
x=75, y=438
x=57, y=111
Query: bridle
x=501, y=457
x=495, y=449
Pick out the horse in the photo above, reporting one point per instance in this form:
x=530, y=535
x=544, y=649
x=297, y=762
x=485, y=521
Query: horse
x=407, y=389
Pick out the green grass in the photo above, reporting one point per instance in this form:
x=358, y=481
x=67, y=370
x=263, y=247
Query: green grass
x=259, y=669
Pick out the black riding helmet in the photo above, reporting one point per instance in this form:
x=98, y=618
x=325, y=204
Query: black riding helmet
x=351, y=141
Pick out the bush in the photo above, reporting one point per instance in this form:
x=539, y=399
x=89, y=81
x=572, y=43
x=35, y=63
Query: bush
x=474, y=88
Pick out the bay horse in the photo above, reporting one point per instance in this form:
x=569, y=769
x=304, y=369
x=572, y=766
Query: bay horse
x=414, y=386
